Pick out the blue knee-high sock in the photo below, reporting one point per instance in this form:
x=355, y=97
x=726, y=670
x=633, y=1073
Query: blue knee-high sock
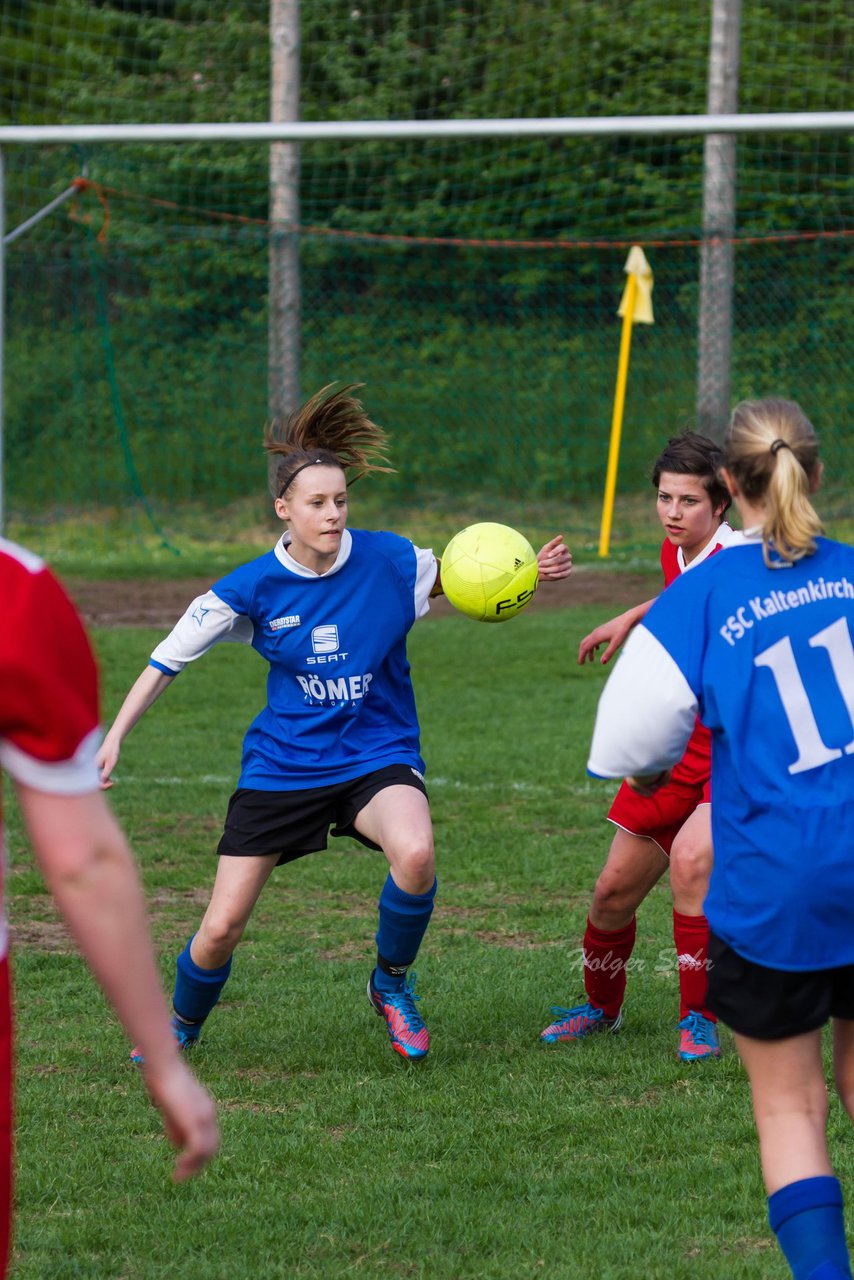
x=807, y=1219
x=197, y=990
x=403, y=922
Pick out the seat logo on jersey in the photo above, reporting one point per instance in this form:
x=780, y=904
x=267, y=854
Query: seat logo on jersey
x=325, y=643
x=325, y=639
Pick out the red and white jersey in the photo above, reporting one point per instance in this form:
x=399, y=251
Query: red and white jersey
x=673, y=558
x=49, y=729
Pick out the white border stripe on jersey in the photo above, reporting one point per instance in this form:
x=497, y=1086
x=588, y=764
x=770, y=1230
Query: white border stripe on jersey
x=76, y=776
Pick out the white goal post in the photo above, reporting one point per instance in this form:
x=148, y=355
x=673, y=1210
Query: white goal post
x=344, y=130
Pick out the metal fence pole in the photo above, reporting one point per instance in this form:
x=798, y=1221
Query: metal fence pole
x=284, y=301
x=714, y=345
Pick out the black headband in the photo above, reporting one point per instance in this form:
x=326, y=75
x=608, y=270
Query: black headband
x=313, y=463
x=778, y=445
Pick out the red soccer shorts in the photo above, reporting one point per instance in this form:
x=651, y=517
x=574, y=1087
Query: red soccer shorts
x=659, y=816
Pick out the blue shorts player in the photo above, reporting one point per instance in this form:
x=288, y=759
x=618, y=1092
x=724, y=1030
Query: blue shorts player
x=337, y=745
x=768, y=663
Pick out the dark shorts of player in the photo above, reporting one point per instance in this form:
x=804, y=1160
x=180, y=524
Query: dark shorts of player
x=659, y=816
x=294, y=823
x=774, y=1004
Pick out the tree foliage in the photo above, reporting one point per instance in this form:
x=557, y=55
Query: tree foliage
x=188, y=60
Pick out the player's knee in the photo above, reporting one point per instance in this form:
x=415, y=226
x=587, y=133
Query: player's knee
x=416, y=861
x=216, y=940
x=612, y=900
x=690, y=863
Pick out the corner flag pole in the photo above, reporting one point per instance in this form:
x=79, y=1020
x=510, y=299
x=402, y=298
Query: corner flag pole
x=635, y=305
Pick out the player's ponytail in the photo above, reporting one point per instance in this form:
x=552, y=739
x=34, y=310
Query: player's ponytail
x=772, y=452
x=332, y=428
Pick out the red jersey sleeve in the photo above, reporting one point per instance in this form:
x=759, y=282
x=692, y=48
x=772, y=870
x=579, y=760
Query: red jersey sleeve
x=48, y=681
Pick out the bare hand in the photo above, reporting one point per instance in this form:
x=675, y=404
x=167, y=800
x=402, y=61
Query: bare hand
x=611, y=633
x=646, y=784
x=189, y=1116
x=554, y=560
x=106, y=759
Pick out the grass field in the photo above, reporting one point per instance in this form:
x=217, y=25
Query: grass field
x=208, y=541
x=495, y=1158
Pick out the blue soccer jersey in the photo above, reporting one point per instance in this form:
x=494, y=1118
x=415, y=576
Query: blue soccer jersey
x=765, y=655
x=340, y=701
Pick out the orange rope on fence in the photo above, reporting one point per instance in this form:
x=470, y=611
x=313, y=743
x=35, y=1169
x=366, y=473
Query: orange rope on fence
x=83, y=185
x=456, y=242
x=102, y=191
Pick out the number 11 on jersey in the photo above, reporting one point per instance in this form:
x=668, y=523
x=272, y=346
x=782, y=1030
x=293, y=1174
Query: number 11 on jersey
x=780, y=660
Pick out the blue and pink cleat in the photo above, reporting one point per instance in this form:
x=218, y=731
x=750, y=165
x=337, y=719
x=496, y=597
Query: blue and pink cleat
x=578, y=1022
x=698, y=1038
x=406, y=1028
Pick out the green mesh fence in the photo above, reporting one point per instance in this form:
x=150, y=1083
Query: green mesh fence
x=471, y=285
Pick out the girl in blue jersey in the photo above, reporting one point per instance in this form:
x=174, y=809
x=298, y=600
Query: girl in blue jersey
x=768, y=663
x=337, y=744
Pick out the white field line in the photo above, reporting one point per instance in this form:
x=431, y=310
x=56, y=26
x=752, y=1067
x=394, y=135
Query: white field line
x=584, y=788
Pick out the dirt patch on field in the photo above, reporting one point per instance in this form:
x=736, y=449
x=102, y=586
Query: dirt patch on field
x=146, y=603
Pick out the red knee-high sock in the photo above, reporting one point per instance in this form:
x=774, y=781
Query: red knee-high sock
x=606, y=956
x=691, y=935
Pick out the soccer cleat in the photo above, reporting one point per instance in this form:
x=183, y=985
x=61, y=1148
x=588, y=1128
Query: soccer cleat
x=406, y=1028
x=578, y=1022
x=186, y=1034
x=698, y=1038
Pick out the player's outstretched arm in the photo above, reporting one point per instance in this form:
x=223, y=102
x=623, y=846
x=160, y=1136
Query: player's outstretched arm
x=612, y=634
x=143, y=693
x=92, y=876
x=554, y=560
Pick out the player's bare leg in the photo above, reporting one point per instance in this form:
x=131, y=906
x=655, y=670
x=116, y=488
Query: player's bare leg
x=237, y=887
x=790, y=1106
x=633, y=867
x=691, y=862
x=398, y=820
x=202, y=968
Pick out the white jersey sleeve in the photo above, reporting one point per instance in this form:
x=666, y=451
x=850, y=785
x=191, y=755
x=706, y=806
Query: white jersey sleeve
x=426, y=571
x=206, y=621
x=646, y=712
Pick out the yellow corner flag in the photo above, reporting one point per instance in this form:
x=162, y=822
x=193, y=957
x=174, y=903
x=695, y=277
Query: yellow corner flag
x=635, y=306
x=640, y=273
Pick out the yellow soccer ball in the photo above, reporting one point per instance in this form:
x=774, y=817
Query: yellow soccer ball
x=489, y=572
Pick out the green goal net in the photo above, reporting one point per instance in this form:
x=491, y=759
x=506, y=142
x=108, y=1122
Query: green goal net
x=470, y=284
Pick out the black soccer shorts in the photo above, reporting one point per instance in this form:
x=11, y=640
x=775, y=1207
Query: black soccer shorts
x=295, y=823
x=773, y=1004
